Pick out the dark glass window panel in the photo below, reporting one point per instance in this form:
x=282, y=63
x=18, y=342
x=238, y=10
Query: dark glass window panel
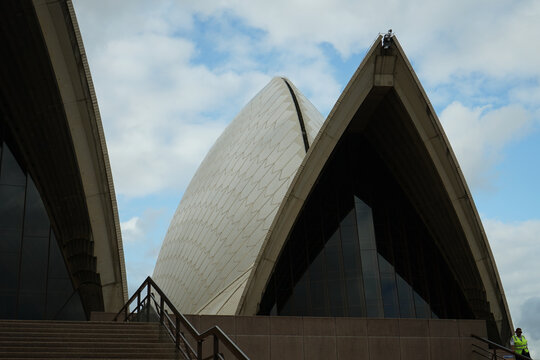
x=330, y=212
x=368, y=251
x=36, y=220
x=286, y=308
x=9, y=270
x=406, y=305
x=316, y=270
x=8, y=305
x=59, y=285
x=348, y=228
x=402, y=265
x=298, y=253
x=72, y=310
x=24, y=260
x=332, y=254
x=355, y=297
x=385, y=240
x=364, y=219
x=434, y=286
x=34, y=264
x=301, y=299
x=11, y=206
x=373, y=297
x=31, y=305
x=372, y=286
x=10, y=171
x=336, y=296
x=351, y=260
x=422, y=308
x=55, y=301
x=389, y=295
x=284, y=284
x=269, y=300
x=57, y=265
x=318, y=298
x=384, y=266
x=317, y=286
x=315, y=247
x=10, y=240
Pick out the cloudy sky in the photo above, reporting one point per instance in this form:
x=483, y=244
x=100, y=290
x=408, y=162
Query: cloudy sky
x=170, y=75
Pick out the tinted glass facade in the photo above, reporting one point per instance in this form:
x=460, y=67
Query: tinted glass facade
x=360, y=249
x=34, y=281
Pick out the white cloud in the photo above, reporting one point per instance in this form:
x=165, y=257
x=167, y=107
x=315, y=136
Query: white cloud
x=161, y=110
x=515, y=247
x=530, y=318
x=130, y=229
x=529, y=95
x=478, y=136
x=157, y=101
x=142, y=237
x=451, y=36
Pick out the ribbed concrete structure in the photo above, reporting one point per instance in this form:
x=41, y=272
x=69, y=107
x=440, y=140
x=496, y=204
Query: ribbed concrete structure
x=224, y=217
x=51, y=114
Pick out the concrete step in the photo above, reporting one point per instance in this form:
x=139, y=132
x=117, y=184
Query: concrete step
x=84, y=340
x=81, y=330
x=83, y=336
x=9, y=324
x=56, y=343
x=88, y=349
x=83, y=355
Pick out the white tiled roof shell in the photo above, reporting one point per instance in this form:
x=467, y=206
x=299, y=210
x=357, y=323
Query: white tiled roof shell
x=225, y=214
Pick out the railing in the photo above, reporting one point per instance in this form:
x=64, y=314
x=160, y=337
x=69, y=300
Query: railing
x=491, y=353
x=148, y=308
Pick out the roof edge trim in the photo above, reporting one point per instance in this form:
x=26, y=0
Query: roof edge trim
x=299, y=113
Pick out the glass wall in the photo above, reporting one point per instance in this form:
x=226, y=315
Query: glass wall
x=34, y=281
x=360, y=249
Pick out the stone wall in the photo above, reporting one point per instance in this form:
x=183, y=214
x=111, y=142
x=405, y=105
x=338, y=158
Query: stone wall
x=283, y=338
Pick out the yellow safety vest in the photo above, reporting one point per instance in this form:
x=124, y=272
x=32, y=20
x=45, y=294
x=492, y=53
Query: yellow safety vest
x=520, y=344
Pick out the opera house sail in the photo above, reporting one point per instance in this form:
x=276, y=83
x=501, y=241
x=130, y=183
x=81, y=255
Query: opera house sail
x=61, y=254
x=365, y=214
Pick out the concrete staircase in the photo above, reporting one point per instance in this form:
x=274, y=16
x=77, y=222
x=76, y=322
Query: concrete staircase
x=84, y=340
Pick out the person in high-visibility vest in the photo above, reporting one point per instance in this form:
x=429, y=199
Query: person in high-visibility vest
x=518, y=343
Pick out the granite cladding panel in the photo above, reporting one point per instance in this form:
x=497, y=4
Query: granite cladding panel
x=283, y=338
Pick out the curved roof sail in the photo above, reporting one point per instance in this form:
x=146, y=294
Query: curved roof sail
x=223, y=218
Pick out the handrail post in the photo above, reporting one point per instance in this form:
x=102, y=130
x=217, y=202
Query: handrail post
x=199, y=349
x=177, y=335
x=184, y=344
x=162, y=309
x=216, y=347
x=148, y=304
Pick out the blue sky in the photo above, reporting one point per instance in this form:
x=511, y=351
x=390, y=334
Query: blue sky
x=170, y=75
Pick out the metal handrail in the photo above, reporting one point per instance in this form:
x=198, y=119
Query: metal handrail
x=173, y=327
x=496, y=347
